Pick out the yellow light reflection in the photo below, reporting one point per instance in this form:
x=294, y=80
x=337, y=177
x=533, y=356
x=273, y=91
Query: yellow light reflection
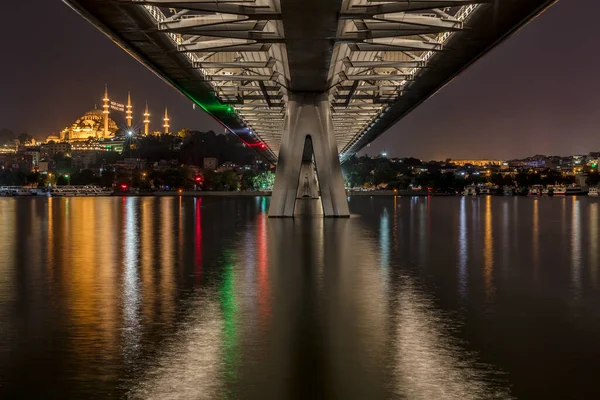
x=7, y=250
x=576, y=245
x=488, y=250
x=593, y=247
x=147, y=257
x=167, y=261
x=536, y=238
x=90, y=292
x=50, y=233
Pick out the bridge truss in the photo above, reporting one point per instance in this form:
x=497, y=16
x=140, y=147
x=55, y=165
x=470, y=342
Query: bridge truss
x=239, y=48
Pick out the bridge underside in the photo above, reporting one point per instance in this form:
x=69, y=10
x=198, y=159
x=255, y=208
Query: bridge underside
x=340, y=71
x=308, y=135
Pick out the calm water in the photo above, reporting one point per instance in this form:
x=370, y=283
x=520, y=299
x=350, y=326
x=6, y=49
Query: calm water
x=411, y=298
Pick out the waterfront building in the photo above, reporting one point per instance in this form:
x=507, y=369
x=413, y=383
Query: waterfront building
x=477, y=163
x=89, y=145
x=210, y=163
x=131, y=163
x=83, y=159
x=35, y=158
x=51, y=148
x=227, y=166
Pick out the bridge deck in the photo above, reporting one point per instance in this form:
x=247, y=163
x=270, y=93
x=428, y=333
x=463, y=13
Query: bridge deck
x=240, y=60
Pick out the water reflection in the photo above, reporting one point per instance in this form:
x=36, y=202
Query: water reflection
x=488, y=250
x=167, y=258
x=430, y=363
x=593, y=240
x=131, y=284
x=198, y=239
x=462, y=249
x=536, y=237
x=154, y=298
x=576, y=246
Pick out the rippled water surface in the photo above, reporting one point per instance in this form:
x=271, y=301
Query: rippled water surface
x=191, y=298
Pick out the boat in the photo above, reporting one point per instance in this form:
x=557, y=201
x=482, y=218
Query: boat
x=593, y=192
x=536, y=190
x=22, y=191
x=485, y=191
x=559, y=191
x=508, y=190
x=37, y=192
x=574, y=190
x=57, y=192
x=8, y=190
x=470, y=190
x=79, y=191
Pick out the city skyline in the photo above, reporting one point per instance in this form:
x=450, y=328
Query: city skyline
x=520, y=91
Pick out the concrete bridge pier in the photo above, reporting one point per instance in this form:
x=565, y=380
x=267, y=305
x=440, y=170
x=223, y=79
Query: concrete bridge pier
x=308, y=134
x=308, y=186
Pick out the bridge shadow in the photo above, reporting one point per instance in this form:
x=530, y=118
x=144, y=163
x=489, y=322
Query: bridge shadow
x=319, y=343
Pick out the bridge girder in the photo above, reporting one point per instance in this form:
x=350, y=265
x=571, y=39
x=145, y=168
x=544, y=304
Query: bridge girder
x=381, y=57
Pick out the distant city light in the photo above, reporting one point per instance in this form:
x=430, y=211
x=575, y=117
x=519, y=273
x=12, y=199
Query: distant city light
x=130, y=133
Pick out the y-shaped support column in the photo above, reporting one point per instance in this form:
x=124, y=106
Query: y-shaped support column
x=308, y=116
x=308, y=186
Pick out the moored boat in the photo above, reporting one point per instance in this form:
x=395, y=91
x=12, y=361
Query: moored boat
x=508, y=190
x=470, y=190
x=536, y=190
x=574, y=190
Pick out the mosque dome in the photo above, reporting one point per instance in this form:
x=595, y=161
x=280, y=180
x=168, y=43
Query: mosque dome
x=89, y=125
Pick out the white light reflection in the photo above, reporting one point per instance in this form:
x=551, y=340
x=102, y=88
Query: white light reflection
x=536, y=238
x=506, y=246
x=430, y=362
x=463, y=248
x=576, y=246
x=131, y=281
x=593, y=247
x=189, y=367
x=384, y=246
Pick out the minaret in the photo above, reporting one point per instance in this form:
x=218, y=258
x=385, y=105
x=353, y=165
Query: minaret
x=146, y=121
x=166, y=120
x=129, y=112
x=106, y=111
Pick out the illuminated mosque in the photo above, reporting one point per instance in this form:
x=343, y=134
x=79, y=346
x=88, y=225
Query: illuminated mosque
x=97, y=124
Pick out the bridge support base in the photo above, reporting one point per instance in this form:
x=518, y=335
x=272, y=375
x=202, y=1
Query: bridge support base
x=308, y=187
x=308, y=134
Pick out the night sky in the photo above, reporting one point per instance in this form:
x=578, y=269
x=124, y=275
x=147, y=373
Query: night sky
x=537, y=93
